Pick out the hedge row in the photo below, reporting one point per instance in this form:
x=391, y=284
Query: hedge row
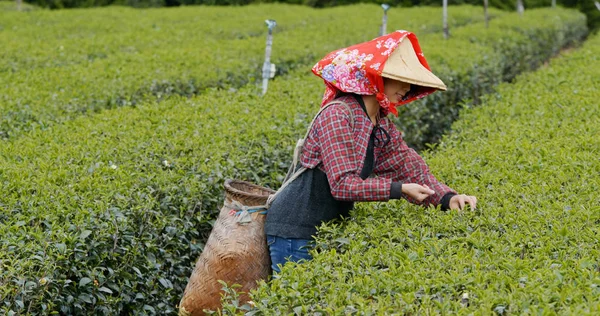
x=512, y=45
x=107, y=213
x=160, y=53
x=530, y=155
x=33, y=40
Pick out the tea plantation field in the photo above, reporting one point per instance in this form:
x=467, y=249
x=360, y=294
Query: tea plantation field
x=120, y=125
x=58, y=65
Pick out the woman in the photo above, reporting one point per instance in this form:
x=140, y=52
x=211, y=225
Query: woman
x=353, y=152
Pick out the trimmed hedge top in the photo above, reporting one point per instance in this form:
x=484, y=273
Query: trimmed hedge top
x=57, y=65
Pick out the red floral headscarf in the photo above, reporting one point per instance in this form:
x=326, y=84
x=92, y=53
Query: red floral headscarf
x=357, y=69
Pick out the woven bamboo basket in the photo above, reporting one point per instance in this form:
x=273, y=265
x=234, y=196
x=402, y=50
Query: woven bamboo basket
x=235, y=253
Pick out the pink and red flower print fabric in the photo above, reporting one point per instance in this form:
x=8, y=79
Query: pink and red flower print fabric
x=357, y=69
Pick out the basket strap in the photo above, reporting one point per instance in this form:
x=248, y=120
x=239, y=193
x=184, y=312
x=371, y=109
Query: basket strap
x=291, y=175
x=300, y=143
x=326, y=106
x=242, y=212
x=239, y=207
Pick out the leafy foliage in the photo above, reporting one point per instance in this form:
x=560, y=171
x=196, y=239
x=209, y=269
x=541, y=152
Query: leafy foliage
x=530, y=156
x=57, y=65
x=510, y=46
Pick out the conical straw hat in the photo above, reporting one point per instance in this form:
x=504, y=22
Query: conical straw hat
x=403, y=64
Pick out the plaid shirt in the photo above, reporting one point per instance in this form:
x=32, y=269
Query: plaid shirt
x=342, y=150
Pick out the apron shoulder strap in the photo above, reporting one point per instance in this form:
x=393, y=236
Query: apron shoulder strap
x=293, y=175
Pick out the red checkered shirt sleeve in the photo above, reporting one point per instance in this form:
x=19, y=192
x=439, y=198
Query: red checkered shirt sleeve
x=401, y=163
x=342, y=159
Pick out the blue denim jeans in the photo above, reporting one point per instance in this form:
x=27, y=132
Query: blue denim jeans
x=283, y=250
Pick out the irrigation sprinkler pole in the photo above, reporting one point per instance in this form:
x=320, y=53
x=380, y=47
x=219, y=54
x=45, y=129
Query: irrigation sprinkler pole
x=485, y=13
x=520, y=7
x=554, y=3
x=267, y=70
x=445, y=20
x=383, y=29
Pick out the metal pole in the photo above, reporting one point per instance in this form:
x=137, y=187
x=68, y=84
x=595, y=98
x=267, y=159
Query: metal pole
x=383, y=29
x=445, y=12
x=554, y=3
x=485, y=12
x=520, y=7
x=266, y=70
x=597, y=5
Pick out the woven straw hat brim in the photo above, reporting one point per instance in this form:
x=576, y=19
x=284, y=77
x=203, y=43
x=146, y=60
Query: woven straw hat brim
x=403, y=65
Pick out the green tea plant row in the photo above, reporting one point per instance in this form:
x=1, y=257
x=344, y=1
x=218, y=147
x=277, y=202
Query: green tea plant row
x=97, y=72
x=59, y=38
x=85, y=34
x=511, y=45
x=107, y=213
x=530, y=155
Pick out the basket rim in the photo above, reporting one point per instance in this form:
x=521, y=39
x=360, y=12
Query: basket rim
x=230, y=188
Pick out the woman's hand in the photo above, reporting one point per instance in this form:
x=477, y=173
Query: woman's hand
x=416, y=191
x=458, y=202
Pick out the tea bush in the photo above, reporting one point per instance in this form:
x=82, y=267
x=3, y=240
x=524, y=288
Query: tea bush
x=511, y=45
x=530, y=155
x=107, y=213
x=32, y=39
x=58, y=65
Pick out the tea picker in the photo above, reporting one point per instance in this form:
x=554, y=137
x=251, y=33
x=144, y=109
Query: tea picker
x=354, y=152
x=351, y=152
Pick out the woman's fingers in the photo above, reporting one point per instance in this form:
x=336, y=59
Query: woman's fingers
x=417, y=191
x=472, y=201
x=423, y=192
x=423, y=196
x=460, y=201
x=428, y=190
